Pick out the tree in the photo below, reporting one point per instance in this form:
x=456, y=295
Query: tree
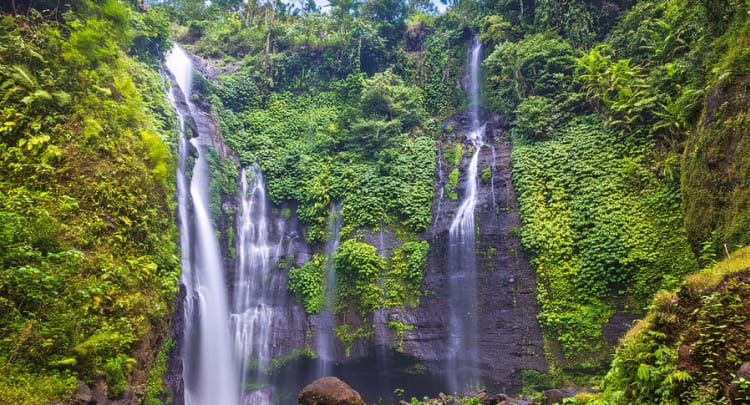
x=386, y=109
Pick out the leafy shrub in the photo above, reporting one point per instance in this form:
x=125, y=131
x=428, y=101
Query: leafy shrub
x=239, y=93
x=596, y=223
x=358, y=267
x=537, y=117
x=89, y=266
x=538, y=65
x=307, y=283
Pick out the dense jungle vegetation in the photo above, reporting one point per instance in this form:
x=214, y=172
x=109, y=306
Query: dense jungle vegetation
x=631, y=164
x=89, y=266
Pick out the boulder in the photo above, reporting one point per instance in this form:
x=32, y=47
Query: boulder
x=83, y=395
x=329, y=391
x=738, y=391
x=557, y=395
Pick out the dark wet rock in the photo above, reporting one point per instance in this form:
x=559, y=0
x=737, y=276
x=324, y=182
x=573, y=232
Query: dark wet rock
x=499, y=399
x=98, y=394
x=736, y=393
x=510, y=339
x=557, y=395
x=83, y=395
x=329, y=391
x=618, y=324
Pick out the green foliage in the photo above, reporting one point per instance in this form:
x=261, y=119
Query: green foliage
x=307, y=283
x=572, y=20
x=456, y=154
x=417, y=262
x=347, y=334
x=534, y=381
x=596, y=223
x=114, y=370
x=486, y=175
x=279, y=363
x=150, y=36
x=536, y=118
x=717, y=159
x=399, y=327
x=404, y=277
x=538, y=65
x=387, y=109
x=358, y=267
x=453, y=178
x=156, y=393
x=690, y=344
x=21, y=386
x=450, y=187
x=597, y=218
x=441, y=65
x=224, y=173
x=372, y=155
x=239, y=93
x=88, y=267
x=493, y=30
x=622, y=88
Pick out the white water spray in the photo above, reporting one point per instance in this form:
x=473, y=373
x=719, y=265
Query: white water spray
x=254, y=309
x=209, y=370
x=463, y=355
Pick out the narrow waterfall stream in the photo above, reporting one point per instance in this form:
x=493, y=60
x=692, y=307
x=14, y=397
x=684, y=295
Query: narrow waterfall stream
x=462, y=358
x=325, y=339
x=209, y=370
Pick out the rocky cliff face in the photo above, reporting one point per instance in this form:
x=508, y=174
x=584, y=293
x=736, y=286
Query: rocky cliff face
x=509, y=336
x=716, y=170
x=290, y=325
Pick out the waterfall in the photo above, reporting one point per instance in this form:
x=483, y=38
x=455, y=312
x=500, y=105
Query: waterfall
x=254, y=309
x=463, y=354
x=325, y=345
x=209, y=370
x=492, y=181
x=442, y=189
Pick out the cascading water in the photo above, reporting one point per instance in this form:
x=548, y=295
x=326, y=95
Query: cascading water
x=209, y=370
x=463, y=355
x=492, y=180
x=324, y=342
x=253, y=310
x=438, y=211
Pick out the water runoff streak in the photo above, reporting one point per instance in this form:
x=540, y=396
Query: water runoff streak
x=209, y=370
x=463, y=354
x=324, y=345
x=256, y=300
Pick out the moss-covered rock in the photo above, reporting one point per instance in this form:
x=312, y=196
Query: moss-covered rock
x=690, y=345
x=716, y=165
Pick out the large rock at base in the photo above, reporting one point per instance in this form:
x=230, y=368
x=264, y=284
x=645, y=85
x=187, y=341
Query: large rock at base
x=557, y=395
x=329, y=391
x=738, y=391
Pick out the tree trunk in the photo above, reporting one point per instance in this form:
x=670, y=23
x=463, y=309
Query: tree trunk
x=269, y=26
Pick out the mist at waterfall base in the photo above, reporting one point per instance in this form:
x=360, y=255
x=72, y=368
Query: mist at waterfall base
x=231, y=338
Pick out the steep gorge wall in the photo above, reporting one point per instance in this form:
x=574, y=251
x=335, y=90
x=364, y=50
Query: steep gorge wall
x=716, y=169
x=509, y=336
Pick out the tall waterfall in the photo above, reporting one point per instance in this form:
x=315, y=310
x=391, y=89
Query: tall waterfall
x=209, y=370
x=257, y=300
x=462, y=289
